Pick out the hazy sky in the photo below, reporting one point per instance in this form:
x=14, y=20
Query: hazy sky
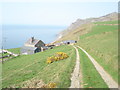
x=53, y=13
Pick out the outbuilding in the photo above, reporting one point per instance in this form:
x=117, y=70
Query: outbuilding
x=69, y=42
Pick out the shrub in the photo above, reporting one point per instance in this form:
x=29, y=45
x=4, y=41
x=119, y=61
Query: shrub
x=49, y=61
x=50, y=85
x=61, y=55
x=58, y=56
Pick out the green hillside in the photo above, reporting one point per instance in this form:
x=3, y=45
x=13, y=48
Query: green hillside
x=102, y=44
x=107, y=22
x=90, y=76
x=100, y=41
x=18, y=71
x=14, y=50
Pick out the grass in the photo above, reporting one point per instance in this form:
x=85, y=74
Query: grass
x=107, y=22
x=14, y=50
x=74, y=34
x=102, y=43
x=4, y=54
x=24, y=68
x=91, y=78
x=113, y=72
x=99, y=29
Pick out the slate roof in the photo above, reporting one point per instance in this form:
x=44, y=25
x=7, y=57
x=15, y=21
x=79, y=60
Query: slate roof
x=35, y=41
x=29, y=48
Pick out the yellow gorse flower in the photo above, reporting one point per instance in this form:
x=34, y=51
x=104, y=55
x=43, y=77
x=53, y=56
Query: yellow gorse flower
x=58, y=56
x=52, y=85
x=49, y=61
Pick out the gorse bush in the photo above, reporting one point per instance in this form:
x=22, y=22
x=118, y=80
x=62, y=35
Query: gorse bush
x=50, y=85
x=58, y=56
x=61, y=55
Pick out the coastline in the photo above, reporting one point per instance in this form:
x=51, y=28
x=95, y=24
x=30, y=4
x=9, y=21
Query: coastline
x=58, y=37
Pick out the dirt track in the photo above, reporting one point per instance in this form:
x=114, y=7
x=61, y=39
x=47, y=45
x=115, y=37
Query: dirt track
x=75, y=79
x=106, y=77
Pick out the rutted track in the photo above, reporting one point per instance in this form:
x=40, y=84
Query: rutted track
x=75, y=79
x=106, y=77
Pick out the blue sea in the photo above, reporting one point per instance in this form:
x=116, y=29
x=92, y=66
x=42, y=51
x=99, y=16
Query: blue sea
x=15, y=36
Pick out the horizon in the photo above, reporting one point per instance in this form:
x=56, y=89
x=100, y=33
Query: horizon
x=53, y=13
x=31, y=25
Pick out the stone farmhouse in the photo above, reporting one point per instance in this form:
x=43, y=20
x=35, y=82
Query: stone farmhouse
x=32, y=46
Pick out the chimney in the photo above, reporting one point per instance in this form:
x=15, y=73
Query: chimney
x=32, y=39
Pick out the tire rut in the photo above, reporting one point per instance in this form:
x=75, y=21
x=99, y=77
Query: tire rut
x=106, y=77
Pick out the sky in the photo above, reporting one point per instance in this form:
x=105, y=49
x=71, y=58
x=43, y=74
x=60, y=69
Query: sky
x=51, y=12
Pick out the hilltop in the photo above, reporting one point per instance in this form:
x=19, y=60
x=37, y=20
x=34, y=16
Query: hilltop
x=99, y=37
x=79, y=22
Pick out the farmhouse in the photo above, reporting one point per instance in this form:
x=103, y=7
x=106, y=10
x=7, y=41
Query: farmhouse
x=32, y=46
x=69, y=42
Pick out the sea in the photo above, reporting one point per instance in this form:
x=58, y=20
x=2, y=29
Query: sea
x=14, y=36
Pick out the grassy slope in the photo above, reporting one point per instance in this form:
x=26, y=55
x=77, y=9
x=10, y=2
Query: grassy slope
x=74, y=34
x=4, y=54
x=23, y=68
x=107, y=22
x=101, y=42
x=14, y=50
x=91, y=77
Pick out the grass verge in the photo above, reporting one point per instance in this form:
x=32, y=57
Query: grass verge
x=91, y=78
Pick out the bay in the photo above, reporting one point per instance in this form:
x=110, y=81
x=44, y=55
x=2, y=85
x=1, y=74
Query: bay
x=15, y=36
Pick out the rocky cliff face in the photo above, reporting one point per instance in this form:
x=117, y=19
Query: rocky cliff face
x=108, y=17
x=79, y=22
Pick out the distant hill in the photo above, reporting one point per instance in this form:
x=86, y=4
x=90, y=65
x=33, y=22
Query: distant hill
x=109, y=17
x=99, y=37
